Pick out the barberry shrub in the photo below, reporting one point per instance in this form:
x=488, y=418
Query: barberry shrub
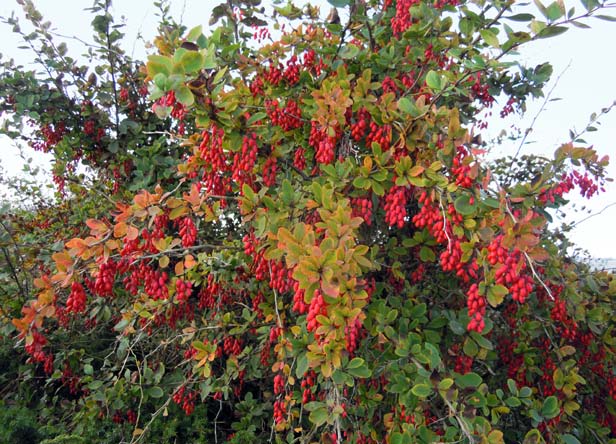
x=334, y=260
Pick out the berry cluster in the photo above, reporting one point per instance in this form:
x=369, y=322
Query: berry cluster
x=52, y=135
x=549, y=195
x=299, y=159
x=280, y=278
x=76, y=301
x=185, y=399
x=279, y=383
x=299, y=305
x=510, y=273
x=395, y=206
x=481, y=91
x=476, y=309
x=270, y=167
x=352, y=335
x=461, y=168
x=288, y=118
x=323, y=144
x=232, y=346
x=317, y=307
x=362, y=207
x=431, y=218
x=306, y=385
x=402, y=20
x=183, y=290
x=156, y=284
x=103, y=285
x=280, y=411
x=188, y=232
x=361, y=124
x=244, y=161
x=379, y=134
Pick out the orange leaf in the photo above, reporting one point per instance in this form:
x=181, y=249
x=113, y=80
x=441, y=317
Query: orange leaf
x=120, y=229
x=189, y=261
x=48, y=311
x=76, y=246
x=132, y=233
x=125, y=211
x=59, y=277
x=97, y=228
x=43, y=282
x=63, y=260
x=179, y=268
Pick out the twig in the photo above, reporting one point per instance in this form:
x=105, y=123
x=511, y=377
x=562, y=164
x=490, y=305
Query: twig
x=440, y=203
x=216, y=421
x=593, y=215
x=275, y=300
x=543, y=105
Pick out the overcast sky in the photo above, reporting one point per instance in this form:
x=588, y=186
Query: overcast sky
x=586, y=86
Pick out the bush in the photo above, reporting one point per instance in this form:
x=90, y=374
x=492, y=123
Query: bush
x=333, y=260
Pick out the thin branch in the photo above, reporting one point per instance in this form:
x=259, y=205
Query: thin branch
x=593, y=215
x=111, y=58
x=543, y=105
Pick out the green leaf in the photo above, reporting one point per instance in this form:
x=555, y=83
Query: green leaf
x=88, y=369
x=421, y=390
x=496, y=294
x=469, y=380
x=433, y=80
x=463, y=206
x=590, y=4
x=426, y=254
x=339, y=3
x=555, y=11
x=319, y=416
x=407, y=106
x=210, y=58
x=470, y=347
x=184, y=96
x=361, y=371
x=155, y=392
x=489, y=37
x=521, y=17
x=192, y=61
x=356, y=363
x=512, y=401
x=570, y=439
x=302, y=365
x=551, y=31
x=96, y=384
x=550, y=407
x=481, y=341
x=194, y=33
x=256, y=117
x=512, y=386
x=158, y=64
x=607, y=18
x=349, y=51
x=445, y=384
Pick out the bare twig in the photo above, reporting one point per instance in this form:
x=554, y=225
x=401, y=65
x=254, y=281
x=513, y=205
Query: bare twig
x=541, y=109
x=593, y=215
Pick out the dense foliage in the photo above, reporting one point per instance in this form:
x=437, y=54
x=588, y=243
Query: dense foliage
x=290, y=234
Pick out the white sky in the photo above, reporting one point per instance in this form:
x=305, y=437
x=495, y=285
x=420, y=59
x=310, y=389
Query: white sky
x=585, y=87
